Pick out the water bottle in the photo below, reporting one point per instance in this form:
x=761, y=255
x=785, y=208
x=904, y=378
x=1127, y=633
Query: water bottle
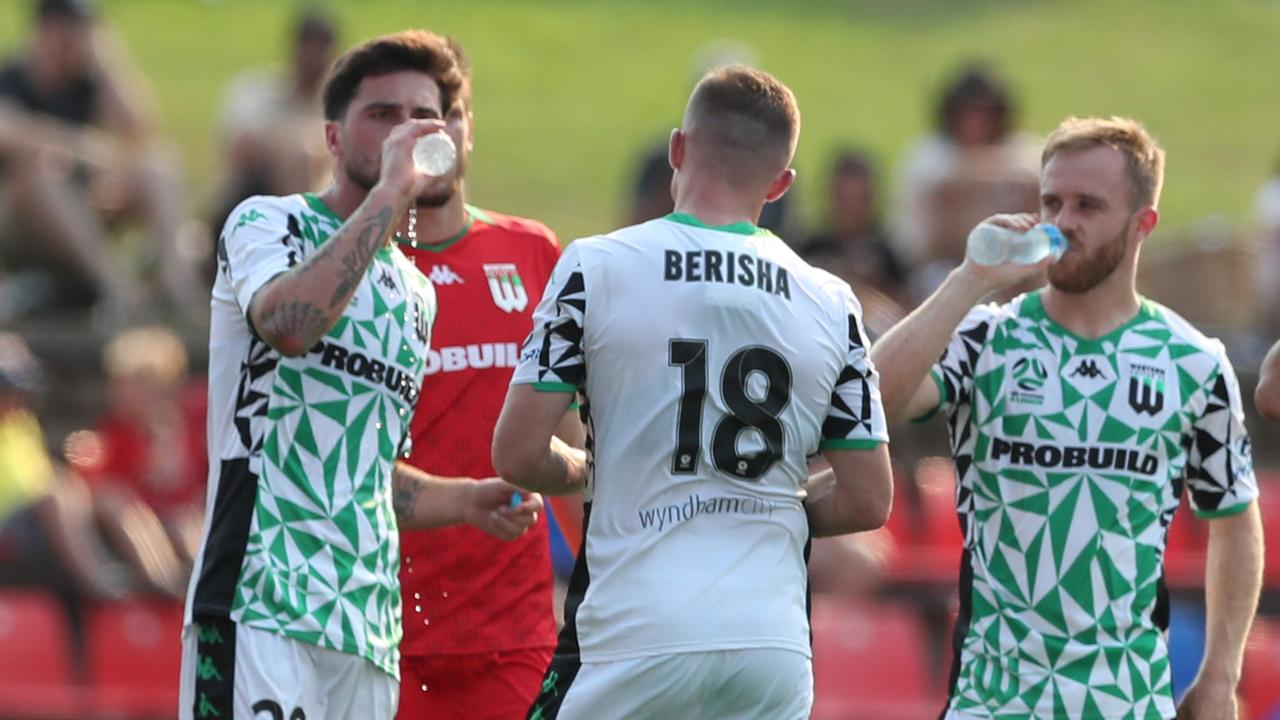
x=991, y=244
x=435, y=154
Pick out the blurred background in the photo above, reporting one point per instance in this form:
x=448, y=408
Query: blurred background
x=129, y=128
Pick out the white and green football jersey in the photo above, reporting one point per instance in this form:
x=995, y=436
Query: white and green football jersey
x=1072, y=455
x=712, y=363
x=301, y=538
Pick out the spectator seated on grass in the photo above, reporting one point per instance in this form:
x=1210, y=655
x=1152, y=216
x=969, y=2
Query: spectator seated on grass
x=78, y=152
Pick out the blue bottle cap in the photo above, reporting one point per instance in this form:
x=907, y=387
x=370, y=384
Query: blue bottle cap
x=1057, y=241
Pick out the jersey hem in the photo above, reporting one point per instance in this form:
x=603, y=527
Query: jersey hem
x=391, y=666
x=588, y=656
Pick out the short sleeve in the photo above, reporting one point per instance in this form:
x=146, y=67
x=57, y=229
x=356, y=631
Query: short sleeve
x=855, y=420
x=1219, y=469
x=261, y=240
x=552, y=358
x=953, y=373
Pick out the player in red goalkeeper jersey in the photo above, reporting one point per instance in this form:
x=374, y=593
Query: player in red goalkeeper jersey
x=478, y=625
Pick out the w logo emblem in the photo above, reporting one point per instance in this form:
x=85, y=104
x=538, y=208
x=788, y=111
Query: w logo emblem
x=506, y=287
x=1144, y=397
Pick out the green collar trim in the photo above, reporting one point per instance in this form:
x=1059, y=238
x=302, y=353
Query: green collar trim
x=738, y=228
x=315, y=203
x=1033, y=307
x=473, y=214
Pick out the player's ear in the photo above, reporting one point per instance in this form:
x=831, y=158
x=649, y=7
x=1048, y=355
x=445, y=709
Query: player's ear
x=1148, y=217
x=675, y=150
x=781, y=184
x=333, y=137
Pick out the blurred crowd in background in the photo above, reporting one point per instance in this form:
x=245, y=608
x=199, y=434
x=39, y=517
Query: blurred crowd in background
x=106, y=264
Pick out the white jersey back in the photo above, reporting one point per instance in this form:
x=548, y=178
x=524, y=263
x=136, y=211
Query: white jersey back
x=713, y=362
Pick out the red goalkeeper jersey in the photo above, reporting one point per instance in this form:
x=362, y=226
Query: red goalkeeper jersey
x=464, y=591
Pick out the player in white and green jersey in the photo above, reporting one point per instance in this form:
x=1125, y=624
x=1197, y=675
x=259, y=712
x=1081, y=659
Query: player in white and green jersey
x=713, y=362
x=318, y=340
x=1078, y=415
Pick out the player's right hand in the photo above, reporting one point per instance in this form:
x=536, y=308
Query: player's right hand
x=490, y=509
x=997, y=277
x=398, y=169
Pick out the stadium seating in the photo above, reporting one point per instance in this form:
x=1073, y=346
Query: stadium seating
x=869, y=662
x=135, y=650
x=36, y=676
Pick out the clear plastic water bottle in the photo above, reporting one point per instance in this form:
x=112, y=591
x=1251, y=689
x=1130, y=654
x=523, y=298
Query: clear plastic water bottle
x=991, y=244
x=435, y=154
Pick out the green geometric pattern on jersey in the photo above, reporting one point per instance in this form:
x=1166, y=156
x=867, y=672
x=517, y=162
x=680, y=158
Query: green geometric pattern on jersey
x=1071, y=457
x=322, y=559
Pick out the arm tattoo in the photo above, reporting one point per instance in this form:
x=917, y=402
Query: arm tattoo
x=404, y=495
x=293, y=318
x=355, y=262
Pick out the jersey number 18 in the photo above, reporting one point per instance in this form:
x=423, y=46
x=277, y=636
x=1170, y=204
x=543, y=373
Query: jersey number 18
x=745, y=411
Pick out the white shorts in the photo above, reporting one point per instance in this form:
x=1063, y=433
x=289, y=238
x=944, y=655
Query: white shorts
x=230, y=671
x=763, y=684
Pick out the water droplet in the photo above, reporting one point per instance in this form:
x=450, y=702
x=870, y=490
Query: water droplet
x=410, y=571
x=445, y=594
x=424, y=687
x=377, y=426
x=408, y=559
x=417, y=596
x=417, y=608
x=426, y=621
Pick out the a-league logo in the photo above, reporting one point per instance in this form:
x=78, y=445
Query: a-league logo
x=506, y=287
x=1029, y=374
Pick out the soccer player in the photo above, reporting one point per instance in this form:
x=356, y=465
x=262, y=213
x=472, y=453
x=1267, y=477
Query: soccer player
x=318, y=345
x=713, y=362
x=478, y=624
x=1078, y=414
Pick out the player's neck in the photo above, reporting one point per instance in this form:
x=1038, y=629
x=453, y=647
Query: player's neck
x=715, y=205
x=1097, y=312
x=343, y=197
x=436, y=225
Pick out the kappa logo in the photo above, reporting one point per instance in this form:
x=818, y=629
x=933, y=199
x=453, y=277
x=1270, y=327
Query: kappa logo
x=1029, y=374
x=506, y=287
x=1088, y=369
x=444, y=275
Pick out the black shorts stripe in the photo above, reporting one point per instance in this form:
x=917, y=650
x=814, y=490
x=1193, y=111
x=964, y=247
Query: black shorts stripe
x=228, y=535
x=555, y=685
x=566, y=662
x=578, y=583
x=215, y=668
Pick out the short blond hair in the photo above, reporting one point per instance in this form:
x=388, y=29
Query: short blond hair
x=153, y=352
x=749, y=119
x=1143, y=155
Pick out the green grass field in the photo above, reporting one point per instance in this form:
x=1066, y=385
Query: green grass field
x=568, y=91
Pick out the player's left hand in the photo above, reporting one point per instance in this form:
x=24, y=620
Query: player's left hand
x=1209, y=700
x=490, y=509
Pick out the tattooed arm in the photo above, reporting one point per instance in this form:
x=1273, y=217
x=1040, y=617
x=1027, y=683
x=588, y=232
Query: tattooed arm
x=424, y=501
x=293, y=311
